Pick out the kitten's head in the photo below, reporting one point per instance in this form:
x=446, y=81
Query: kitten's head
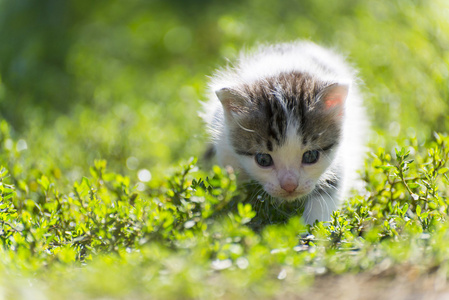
x=285, y=131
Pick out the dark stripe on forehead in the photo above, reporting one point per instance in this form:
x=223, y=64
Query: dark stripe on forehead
x=272, y=132
x=277, y=120
x=304, y=103
x=302, y=120
x=269, y=145
x=281, y=120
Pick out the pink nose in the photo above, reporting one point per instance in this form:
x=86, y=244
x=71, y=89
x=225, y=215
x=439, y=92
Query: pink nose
x=289, y=186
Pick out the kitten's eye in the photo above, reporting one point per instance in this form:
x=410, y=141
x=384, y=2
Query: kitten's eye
x=264, y=160
x=310, y=157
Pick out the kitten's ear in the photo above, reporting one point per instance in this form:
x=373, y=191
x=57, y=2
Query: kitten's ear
x=233, y=103
x=334, y=96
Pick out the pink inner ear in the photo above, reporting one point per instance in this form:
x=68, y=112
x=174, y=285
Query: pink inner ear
x=334, y=100
x=334, y=96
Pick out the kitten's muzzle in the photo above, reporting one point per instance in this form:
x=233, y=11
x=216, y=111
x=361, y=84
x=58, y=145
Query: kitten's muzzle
x=289, y=186
x=288, y=181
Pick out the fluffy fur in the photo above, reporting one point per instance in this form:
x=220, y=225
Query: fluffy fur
x=278, y=108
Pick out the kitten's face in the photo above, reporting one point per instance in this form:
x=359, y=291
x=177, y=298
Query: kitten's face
x=292, y=170
x=285, y=138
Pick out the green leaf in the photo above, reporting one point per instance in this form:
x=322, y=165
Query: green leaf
x=418, y=210
x=413, y=185
x=44, y=182
x=443, y=170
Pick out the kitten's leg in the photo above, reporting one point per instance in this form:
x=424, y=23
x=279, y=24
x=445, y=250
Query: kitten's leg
x=320, y=205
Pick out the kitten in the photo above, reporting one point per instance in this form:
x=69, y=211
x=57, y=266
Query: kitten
x=289, y=117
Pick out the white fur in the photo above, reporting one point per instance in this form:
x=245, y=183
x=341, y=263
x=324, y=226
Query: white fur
x=302, y=57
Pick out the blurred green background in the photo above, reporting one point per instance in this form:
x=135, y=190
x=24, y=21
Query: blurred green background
x=121, y=80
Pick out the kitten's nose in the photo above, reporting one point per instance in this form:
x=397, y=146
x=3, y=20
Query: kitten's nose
x=289, y=185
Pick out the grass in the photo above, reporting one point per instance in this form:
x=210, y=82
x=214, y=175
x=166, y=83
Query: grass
x=99, y=197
